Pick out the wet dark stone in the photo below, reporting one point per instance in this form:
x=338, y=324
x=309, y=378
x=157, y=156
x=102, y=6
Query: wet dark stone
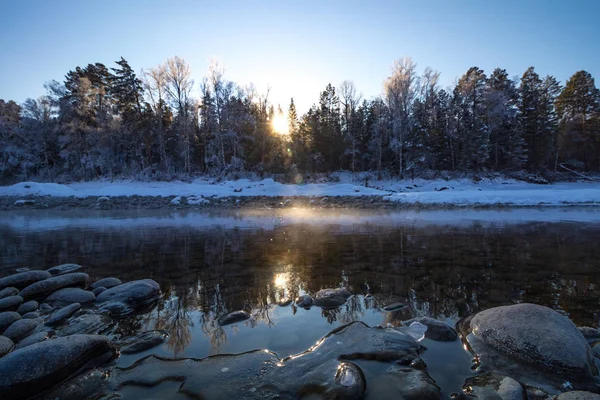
x=536, y=336
x=28, y=307
x=233, y=317
x=143, y=341
x=304, y=301
x=331, y=298
x=86, y=323
x=46, y=308
x=394, y=307
x=9, y=291
x=71, y=295
x=491, y=386
x=10, y=303
x=590, y=334
x=35, y=368
x=64, y=269
x=350, y=382
x=403, y=383
x=43, y=289
x=285, y=302
x=115, y=308
x=98, y=290
x=20, y=328
x=31, y=315
x=106, y=282
x=578, y=395
x=135, y=294
x=7, y=318
x=23, y=279
x=436, y=330
x=33, y=339
x=6, y=345
x=59, y=316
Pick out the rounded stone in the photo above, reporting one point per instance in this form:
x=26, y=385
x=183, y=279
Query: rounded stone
x=578, y=395
x=135, y=293
x=71, y=295
x=10, y=303
x=144, y=341
x=23, y=279
x=107, y=283
x=6, y=345
x=64, y=269
x=7, y=318
x=31, y=315
x=436, y=330
x=304, y=301
x=331, y=298
x=61, y=315
x=20, y=328
x=98, y=290
x=33, y=339
x=233, y=317
x=28, y=307
x=43, y=289
x=9, y=291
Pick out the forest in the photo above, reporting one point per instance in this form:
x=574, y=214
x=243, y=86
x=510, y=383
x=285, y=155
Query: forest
x=108, y=122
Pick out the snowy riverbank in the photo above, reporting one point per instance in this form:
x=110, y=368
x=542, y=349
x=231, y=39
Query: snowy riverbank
x=266, y=193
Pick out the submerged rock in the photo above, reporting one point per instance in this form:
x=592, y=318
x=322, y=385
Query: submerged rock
x=331, y=298
x=590, y=334
x=98, y=290
x=534, y=335
x=33, y=339
x=404, y=383
x=233, y=317
x=436, y=330
x=62, y=314
x=494, y=386
x=70, y=296
x=304, y=301
x=43, y=289
x=35, y=368
x=10, y=303
x=7, y=318
x=143, y=341
x=23, y=279
x=106, y=283
x=28, y=307
x=64, y=269
x=9, y=291
x=135, y=294
x=31, y=315
x=6, y=345
x=20, y=328
x=86, y=323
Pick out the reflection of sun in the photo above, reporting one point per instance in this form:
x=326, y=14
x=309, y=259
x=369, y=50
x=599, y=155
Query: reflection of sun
x=280, y=124
x=281, y=280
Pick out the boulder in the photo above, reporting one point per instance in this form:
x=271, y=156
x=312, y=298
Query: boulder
x=35, y=368
x=304, y=301
x=233, y=317
x=7, y=318
x=64, y=269
x=9, y=291
x=33, y=339
x=28, y=307
x=494, y=386
x=6, y=345
x=10, y=303
x=86, y=323
x=143, y=341
x=436, y=330
x=134, y=294
x=403, y=383
x=106, y=282
x=71, y=295
x=59, y=316
x=43, y=289
x=331, y=298
x=31, y=315
x=23, y=279
x=98, y=290
x=20, y=329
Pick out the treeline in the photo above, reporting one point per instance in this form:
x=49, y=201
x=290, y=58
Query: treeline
x=106, y=122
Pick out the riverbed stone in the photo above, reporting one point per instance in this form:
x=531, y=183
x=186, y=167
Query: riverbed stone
x=394, y=307
x=64, y=269
x=31, y=315
x=10, y=303
x=403, y=383
x=135, y=294
x=98, y=290
x=9, y=291
x=233, y=317
x=43, y=289
x=85, y=324
x=436, y=330
x=28, y=307
x=59, y=316
x=35, y=368
x=590, y=334
x=143, y=341
x=106, y=282
x=6, y=345
x=532, y=335
x=331, y=298
x=304, y=301
x=33, y=339
x=71, y=295
x=20, y=329
x=578, y=395
x=23, y=279
x=494, y=386
x=7, y=318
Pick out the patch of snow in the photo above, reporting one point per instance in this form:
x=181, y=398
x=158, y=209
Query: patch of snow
x=176, y=201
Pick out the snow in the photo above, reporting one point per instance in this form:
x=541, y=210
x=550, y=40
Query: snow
x=461, y=192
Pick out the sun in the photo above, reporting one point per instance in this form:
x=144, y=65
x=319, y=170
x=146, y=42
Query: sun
x=280, y=124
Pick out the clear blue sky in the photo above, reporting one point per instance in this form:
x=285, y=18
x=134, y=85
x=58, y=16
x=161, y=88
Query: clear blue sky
x=297, y=47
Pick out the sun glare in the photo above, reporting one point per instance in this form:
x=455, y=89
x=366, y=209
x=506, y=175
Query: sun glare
x=280, y=124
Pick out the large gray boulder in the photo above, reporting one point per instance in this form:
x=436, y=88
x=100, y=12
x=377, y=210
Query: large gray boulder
x=134, y=294
x=64, y=269
x=20, y=329
x=331, y=298
x=9, y=291
x=533, y=335
x=23, y=279
x=43, y=289
x=35, y=368
x=106, y=282
x=71, y=295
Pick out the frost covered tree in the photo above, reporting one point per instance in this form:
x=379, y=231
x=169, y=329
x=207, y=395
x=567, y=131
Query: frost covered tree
x=350, y=125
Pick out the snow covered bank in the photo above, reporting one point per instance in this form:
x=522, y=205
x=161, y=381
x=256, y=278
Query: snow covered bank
x=463, y=192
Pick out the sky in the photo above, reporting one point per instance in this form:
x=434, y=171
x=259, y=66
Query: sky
x=296, y=48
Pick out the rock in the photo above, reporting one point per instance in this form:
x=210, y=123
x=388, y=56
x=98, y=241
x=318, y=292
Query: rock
x=7, y=318
x=98, y=290
x=304, y=301
x=578, y=395
x=350, y=382
x=233, y=317
x=86, y=323
x=10, y=303
x=9, y=291
x=590, y=334
x=43, y=289
x=143, y=341
x=35, y=368
x=31, y=315
x=24, y=202
x=23, y=279
x=331, y=298
x=436, y=330
x=70, y=296
x=115, y=308
x=106, y=282
x=64, y=269
x=22, y=269
x=285, y=302
x=404, y=383
x=28, y=307
x=103, y=199
x=494, y=386
x=6, y=345
x=62, y=314
x=534, y=335
x=46, y=308
x=33, y=339
x=20, y=328
x=394, y=307
x=135, y=294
